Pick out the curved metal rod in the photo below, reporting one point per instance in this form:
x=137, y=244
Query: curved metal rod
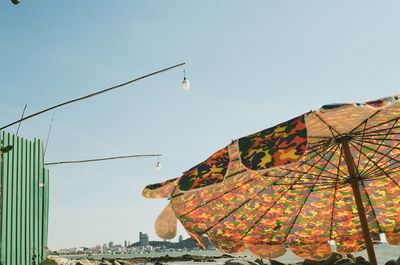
x=100, y=159
x=91, y=95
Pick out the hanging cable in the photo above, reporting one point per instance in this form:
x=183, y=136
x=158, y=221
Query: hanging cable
x=22, y=116
x=48, y=135
x=158, y=165
x=92, y=95
x=101, y=159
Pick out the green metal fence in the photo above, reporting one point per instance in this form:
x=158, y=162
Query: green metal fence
x=24, y=202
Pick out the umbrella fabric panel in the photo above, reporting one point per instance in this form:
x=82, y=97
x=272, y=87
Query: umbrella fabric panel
x=184, y=202
x=239, y=223
x=321, y=167
x=274, y=226
x=353, y=243
x=160, y=190
x=349, y=118
x=385, y=199
x=209, y=172
x=242, y=220
x=320, y=251
x=267, y=251
x=197, y=209
x=201, y=219
x=346, y=224
x=276, y=146
x=313, y=223
x=393, y=238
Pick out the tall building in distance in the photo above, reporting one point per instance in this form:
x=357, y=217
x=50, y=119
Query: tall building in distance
x=143, y=239
x=111, y=244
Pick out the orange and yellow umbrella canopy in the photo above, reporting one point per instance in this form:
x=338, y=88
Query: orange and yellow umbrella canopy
x=328, y=175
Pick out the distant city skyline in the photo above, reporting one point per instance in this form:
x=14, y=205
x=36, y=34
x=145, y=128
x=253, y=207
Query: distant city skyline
x=143, y=238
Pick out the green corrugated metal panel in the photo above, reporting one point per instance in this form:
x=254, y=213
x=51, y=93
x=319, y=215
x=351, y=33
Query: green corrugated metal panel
x=24, y=202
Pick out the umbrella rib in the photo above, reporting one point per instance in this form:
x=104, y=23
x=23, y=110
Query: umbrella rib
x=319, y=137
x=244, y=203
x=273, y=204
x=234, y=174
x=208, y=229
x=229, y=190
x=362, y=142
x=306, y=184
x=305, y=163
x=375, y=178
x=331, y=129
x=320, y=144
x=365, y=121
x=386, y=174
x=371, y=171
x=334, y=196
x=320, y=168
x=259, y=219
x=362, y=183
x=392, y=170
x=369, y=141
x=308, y=195
x=385, y=145
x=387, y=166
x=329, y=163
x=380, y=124
x=369, y=200
x=372, y=208
x=379, y=133
x=213, y=199
x=394, y=181
x=379, y=139
x=234, y=210
x=312, y=174
x=379, y=168
x=326, y=188
x=302, y=163
x=375, y=151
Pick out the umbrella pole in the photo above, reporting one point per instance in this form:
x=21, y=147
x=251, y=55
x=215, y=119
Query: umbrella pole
x=357, y=196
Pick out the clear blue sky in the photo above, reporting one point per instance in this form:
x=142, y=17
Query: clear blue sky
x=252, y=64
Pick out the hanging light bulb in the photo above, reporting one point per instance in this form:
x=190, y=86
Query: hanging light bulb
x=185, y=82
x=158, y=166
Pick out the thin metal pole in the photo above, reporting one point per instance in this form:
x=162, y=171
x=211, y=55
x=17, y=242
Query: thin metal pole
x=100, y=159
x=357, y=196
x=91, y=95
